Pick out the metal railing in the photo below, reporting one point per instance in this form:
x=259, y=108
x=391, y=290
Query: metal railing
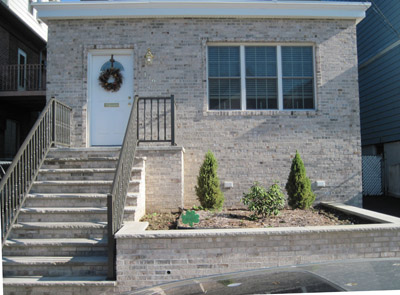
x=30, y=77
x=51, y=128
x=156, y=119
x=116, y=199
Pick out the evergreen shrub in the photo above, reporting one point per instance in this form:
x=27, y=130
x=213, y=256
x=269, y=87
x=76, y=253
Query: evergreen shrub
x=298, y=186
x=207, y=190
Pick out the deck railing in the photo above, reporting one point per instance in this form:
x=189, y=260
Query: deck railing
x=51, y=128
x=30, y=77
x=156, y=119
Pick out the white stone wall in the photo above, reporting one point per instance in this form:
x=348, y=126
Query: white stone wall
x=249, y=146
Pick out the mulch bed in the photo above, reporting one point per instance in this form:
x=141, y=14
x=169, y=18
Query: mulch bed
x=239, y=218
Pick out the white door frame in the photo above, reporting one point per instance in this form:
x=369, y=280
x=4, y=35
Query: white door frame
x=95, y=52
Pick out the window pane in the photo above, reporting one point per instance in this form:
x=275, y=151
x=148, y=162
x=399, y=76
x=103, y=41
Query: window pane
x=261, y=94
x=297, y=61
x=260, y=61
x=223, y=61
x=298, y=94
x=224, y=94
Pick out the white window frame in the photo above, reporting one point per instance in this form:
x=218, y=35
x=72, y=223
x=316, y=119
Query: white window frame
x=243, y=100
x=22, y=68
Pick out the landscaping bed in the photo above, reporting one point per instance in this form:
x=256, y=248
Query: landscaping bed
x=240, y=218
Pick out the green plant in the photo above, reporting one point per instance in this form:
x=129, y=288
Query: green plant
x=207, y=190
x=264, y=202
x=298, y=186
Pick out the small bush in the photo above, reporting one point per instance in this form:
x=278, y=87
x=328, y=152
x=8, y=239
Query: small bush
x=207, y=190
x=298, y=186
x=262, y=202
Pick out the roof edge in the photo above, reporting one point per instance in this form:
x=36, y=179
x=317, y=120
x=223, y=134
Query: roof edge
x=201, y=9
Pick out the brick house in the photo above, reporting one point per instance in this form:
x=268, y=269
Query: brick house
x=252, y=81
x=292, y=83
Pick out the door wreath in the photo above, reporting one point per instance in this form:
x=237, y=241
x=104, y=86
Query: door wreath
x=111, y=79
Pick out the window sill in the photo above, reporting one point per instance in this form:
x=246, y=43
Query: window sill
x=250, y=113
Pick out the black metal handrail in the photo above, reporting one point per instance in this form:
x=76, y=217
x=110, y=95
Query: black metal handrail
x=117, y=198
x=51, y=128
x=153, y=122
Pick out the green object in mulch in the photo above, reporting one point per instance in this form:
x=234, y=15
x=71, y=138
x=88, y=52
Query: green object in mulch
x=190, y=217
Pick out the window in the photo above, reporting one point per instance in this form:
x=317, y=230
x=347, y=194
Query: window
x=22, y=60
x=260, y=77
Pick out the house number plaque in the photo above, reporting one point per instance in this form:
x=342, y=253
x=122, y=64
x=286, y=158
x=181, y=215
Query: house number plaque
x=111, y=105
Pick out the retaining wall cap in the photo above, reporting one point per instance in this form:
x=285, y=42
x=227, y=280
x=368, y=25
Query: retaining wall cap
x=364, y=213
x=161, y=234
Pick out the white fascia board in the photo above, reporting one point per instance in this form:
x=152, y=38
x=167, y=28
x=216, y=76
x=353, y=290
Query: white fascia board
x=201, y=8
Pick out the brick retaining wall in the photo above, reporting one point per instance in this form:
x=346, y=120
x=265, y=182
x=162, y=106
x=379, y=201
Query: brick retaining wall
x=154, y=257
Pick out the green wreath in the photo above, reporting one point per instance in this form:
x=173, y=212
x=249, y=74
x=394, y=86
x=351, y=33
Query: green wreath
x=105, y=76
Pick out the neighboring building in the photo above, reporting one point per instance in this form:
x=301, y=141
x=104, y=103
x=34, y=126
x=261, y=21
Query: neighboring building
x=22, y=73
x=253, y=83
x=379, y=66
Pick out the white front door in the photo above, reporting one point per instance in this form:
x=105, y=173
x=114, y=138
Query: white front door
x=109, y=111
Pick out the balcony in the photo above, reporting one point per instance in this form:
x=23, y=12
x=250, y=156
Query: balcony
x=22, y=80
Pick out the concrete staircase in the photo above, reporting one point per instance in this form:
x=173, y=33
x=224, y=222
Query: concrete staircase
x=60, y=238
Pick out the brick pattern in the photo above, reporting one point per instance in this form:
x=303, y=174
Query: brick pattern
x=164, y=178
x=250, y=146
x=148, y=259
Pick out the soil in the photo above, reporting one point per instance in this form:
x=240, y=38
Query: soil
x=240, y=218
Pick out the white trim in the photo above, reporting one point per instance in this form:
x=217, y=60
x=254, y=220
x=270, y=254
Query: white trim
x=243, y=100
x=21, y=53
x=280, y=82
x=201, y=8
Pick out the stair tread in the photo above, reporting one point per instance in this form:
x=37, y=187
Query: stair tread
x=70, y=209
x=60, y=225
x=61, y=281
x=57, y=242
x=53, y=260
x=83, y=170
x=72, y=159
x=74, y=195
x=86, y=182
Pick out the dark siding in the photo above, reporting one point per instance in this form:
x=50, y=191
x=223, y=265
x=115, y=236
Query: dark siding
x=379, y=80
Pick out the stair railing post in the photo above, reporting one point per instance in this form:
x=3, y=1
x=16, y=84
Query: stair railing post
x=111, y=275
x=54, y=121
x=172, y=120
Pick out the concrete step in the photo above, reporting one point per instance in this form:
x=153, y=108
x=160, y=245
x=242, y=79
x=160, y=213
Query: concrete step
x=83, y=174
x=84, y=152
x=79, y=186
x=54, y=266
x=69, y=162
x=87, y=162
x=57, y=230
x=56, y=247
x=73, y=200
x=71, y=214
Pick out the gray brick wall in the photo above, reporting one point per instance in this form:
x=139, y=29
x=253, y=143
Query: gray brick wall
x=250, y=146
x=146, y=259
